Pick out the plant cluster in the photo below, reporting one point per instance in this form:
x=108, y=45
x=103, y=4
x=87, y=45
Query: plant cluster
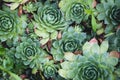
x=59, y=40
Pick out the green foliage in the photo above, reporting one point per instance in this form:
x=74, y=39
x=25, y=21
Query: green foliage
x=12, y=75
x=94, y=23
x=49, y=69
x=94, y=66
x=92, y=48
x=10, y=25
x=15, y=3
x=46, y=40
x=114, y=41
x=29, y=52
x=48, y=20
x=109, y=11
x=6, y=65
x=30, y=7
x=71, y=41
x=74, y=10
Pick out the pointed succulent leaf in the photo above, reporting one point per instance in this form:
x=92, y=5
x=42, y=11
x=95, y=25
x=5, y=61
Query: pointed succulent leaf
x=104, y=47
x=62, y=73
x=74, y=10
x=50, y=19
x=71, y=41
x=69, y=56
x=49, y=69
x=109, y=11
x=89, y=68
x=30, y=53
x=10, y=25
x=14, y=6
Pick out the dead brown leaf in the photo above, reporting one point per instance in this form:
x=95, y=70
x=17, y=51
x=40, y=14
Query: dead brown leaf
x=59, y=36
x=94, y=3
x=20, y=10
x=114, y=54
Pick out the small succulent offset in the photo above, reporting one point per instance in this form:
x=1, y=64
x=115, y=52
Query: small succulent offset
x=92, y=47
x=11, y=25
x=49, y=69
x=114, y=41
x=30, y=7
x=30, y=53
x=6, y=65
x=90, y=66
x=74, y=10
x=71, y=41
x=109, y=11
x=15, y=3
x=48, y=20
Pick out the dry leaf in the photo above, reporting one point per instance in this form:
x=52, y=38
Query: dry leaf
x=94, y=3
x=49, y=44
x=20, y=11
x=114, y=54
x=77, y=52
x=50, y=57
x=93, y=40
x=27, y=30
x=59, y=36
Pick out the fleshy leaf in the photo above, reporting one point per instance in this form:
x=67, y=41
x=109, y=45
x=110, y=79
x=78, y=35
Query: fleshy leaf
x=54, y=35
x=14, y=6
x=69, y=56
x=62, y=73
x=44, y=41
x=104, y=47
x=94, y=24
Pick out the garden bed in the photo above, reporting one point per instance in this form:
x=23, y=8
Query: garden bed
x=59, y=40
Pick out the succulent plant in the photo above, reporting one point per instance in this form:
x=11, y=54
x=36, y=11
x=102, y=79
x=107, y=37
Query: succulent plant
x=71, y=41
x=46, y=40
x=74, y=10
x=15, y=3
x=49, y=69
x=11, y=25
x=30, y=7
x=93, y=47
x=30, y=53
x=114, y=41
x=109, y=11
x=48, y=20
x=90, y=66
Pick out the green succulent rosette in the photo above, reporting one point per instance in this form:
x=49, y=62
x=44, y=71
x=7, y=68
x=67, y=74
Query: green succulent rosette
x=71, y=41
x=30, y=7
x=48, y=20
x=90, y=66
x=109, y=11
x=49, y=69
x=30, y=53
x=91, y=70
x=15, y=3
x=11, y=25
x=74, y=10
x=114, y=41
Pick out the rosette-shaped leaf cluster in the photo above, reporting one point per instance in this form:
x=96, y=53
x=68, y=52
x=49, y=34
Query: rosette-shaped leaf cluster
x=114, y=41
x=30, y=7
x=92, y=47
x=30, y=53
x=48, y=20
x=49, y=69
x=109, y=11
x=90, y=66
x=71, y=41
x=15, y=3
x=74, y=10
x=10, y=25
